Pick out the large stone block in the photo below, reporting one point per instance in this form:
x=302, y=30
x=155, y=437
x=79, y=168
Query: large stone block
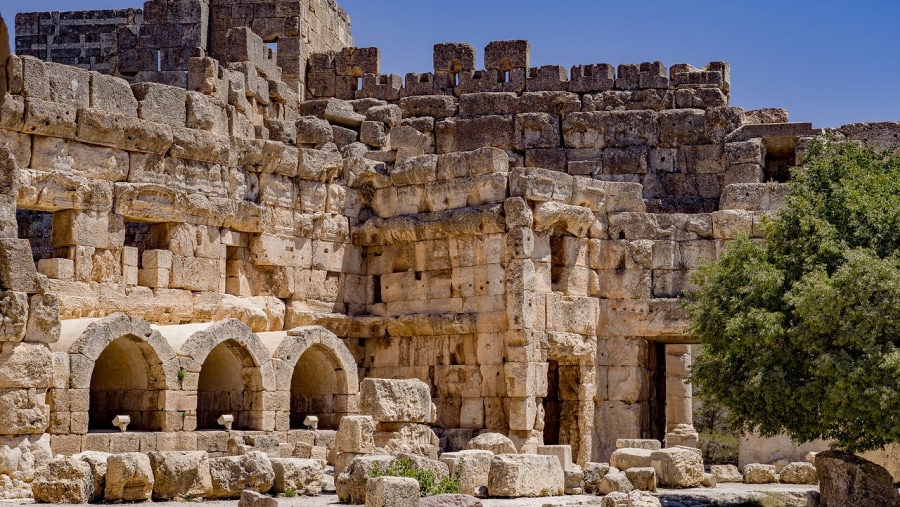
x=17, y=269
x=179, y=474
x=129, y=478
x=845, y=479
x=351, y=485
x=356, y=434
x=392, y=492
x=303, y=476
x=493, y=442
x=23, y=411
x=473, y=468
x=233, y=474
x=396, y=400
x=25, y=365
x=678, y=467
x=525, y=475
x=64, y=480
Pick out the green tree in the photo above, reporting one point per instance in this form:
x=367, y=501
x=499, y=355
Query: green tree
x=801, y=331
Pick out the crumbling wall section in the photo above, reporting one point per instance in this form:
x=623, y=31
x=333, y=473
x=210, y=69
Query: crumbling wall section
x=84, y=39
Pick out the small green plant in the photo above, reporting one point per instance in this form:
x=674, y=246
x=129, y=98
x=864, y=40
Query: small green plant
x=181, y=373
x=290, y=493
x=428, y=486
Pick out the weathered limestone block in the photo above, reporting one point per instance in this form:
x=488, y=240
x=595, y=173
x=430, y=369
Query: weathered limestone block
x=97, y=461
x=454, y=135
x=129, y=478
x=161, y=103
x=112, y=94
x=24, y=411
x=392, y=492
x=179, y=474
x=47, y=118
x=351, y=485
x=576, y=220
x=25, y=365
x=630, y=499
x=536, y=130
x=756, y=473
x=525, y=475
x=799, y=473
x=63, y=480
x=304, y=476
x=17, y=270
x=473, y=468
x=431, y=106
x=254, y=499
x=642, y=478
x=845, y=479
x=678, y=467
x=635, y=443
x=615, y=480
x=562, y=452
x=13, y=316
x=753, y=197
x=313, y=130
x=623, y=459
x=356, y=434
x=233, y=474
x=450, y=500
x=726, y=473
x=123, y=132
x=408, y=438
x=593, y=475
x=494, y=442
x=396, y=400
x=415, y=171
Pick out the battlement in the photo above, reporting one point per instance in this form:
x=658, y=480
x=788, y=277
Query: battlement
x=355, y=73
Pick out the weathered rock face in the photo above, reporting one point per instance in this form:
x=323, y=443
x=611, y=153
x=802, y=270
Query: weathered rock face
x=494, y=442
x=756, y=473
x=356, y=435
x=615, y=480
x=129, y=478
x=525, y=475
x=678, y=467
x=396, y=401
x=20, y=458
x=303, y=476
x=642, y=478
x=63, y=480
x=180, y=474
x=845, y=479
x=233, y=474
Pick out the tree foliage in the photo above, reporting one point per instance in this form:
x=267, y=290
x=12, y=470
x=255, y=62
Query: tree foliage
x=801, y=331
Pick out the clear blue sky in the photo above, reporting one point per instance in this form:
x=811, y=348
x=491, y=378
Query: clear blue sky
x=828, y=62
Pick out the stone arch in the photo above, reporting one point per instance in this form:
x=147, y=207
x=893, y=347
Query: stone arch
x=233, y=369
x=120, y=365
x=322, y=379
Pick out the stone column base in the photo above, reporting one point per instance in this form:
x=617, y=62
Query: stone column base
x=683, y=435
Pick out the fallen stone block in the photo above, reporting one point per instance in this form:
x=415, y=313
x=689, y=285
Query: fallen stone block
x=756, y=473
x=593, y=474
x=494, y=442
x=303, y=476
x=129, y=478
x=525, y=475
x=623, y=459
x=355, y=434
x=726, y=473
x=643, y=478
x=351, y=485
x=256, y=499
x=799, y=473
x=179, y=474
x=392, y=492
x=233, y=474
x=678, y=467
x=615, y=481
x=473, y=468
x=97, y=461
x=63, y=480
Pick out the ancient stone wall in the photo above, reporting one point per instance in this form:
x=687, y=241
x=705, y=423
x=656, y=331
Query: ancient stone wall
x=515, y=238
x=85, y=39
x=156, y=43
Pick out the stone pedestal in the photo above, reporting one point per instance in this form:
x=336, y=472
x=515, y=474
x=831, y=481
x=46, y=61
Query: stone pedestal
x=679, y=398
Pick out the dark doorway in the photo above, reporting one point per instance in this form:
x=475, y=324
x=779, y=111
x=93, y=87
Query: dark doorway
x=657, y=396
x=552, y=406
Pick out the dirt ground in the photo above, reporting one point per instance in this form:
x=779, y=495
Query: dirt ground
x=771, y=495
